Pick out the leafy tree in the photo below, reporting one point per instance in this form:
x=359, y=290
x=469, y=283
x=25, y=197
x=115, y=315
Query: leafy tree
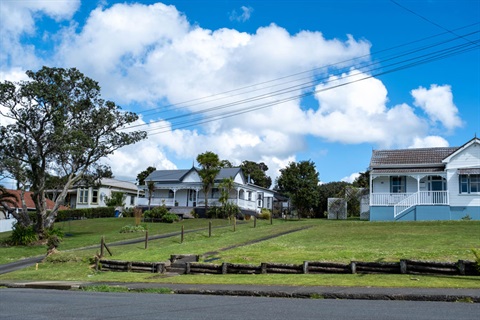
x=229, y=209
x=225, y=164
x=363, y=180
x=144, y=174
x=60, y=123
x=257, y=172
x=328, y=190
x=117, y=199
x=299, y=181
x=209, y=169
x=7, y=199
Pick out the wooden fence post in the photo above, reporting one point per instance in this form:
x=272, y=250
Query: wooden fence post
x=353, y=267
x=234, y=224
x=305, y=267
x=209, y=228
x=254, y=221
x=183, y=231
x=271, y=218
x=461, y=267
x=102, y=245
x=403, y=266
x=146, y=239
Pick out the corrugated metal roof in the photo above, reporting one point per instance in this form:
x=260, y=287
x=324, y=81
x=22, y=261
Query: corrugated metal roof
x=227, y=173
x=412, y=157
x=119, y=184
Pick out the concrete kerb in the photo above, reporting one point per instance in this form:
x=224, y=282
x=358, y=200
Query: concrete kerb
x=354, y=293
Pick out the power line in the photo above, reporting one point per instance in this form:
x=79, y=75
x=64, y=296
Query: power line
x=227, y=94
x=304, y=86
x=440, y=54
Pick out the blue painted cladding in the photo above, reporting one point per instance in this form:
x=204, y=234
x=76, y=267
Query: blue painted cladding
x=425, y=213
x=458, y=213
x=381, y=213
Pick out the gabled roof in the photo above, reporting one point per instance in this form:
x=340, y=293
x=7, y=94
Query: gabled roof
x=118, y=184
x=168, y=175
x=227, y=173
x=419, y=157
x=29, y=201
x=460, y=149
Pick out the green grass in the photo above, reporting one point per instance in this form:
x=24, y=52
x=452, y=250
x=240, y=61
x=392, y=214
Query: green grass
x=340, y=241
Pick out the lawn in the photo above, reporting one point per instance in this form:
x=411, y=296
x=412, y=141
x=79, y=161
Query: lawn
x=311, y=240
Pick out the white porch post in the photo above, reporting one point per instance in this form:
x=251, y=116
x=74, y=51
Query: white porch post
x=371, y=188
x=238, y=194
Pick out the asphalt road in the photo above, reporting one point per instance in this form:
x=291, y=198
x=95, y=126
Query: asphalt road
x=55, y=304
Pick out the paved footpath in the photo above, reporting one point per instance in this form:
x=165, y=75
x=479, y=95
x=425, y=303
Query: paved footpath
x=364, y=293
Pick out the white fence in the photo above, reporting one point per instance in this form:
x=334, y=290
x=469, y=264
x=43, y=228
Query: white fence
x=7, y=225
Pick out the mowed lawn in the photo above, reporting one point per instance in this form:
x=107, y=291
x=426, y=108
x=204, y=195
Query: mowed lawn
x=308, y=240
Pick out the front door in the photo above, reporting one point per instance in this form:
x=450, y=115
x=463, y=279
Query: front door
x=436, y=184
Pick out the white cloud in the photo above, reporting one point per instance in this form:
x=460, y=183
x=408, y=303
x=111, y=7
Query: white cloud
x=146, y=56
x=351, y=178
x=243, y=16
x=17, y=19
x=437, y=102
x=429, y=142
x=357, y=113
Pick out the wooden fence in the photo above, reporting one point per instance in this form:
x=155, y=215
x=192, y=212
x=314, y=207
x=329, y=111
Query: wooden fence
x=462, y=267
x=131, y=266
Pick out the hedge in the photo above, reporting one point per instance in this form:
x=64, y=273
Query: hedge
x=87, y=213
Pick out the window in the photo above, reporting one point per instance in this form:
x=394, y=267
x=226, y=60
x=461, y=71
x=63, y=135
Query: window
x=132, y=200
x=170, y=194
x=215, y=193
x=469, y=183
x=95, y=196
x=82, y=195
x=398, y=184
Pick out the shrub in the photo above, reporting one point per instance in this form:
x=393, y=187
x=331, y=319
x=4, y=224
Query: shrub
x=156, y=213
x=87, y=213
x=129, y=229
x=127, y=213
x=22, y=235
x=170, y=218
x=265, y=214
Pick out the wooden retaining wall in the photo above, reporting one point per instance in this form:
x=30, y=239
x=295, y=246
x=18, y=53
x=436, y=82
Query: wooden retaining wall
x=131, y=266
x=462, y=267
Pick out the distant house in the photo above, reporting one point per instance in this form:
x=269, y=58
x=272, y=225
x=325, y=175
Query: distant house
x=81, y=196
x=183, y=189
x=7, y=208
x=426, y=183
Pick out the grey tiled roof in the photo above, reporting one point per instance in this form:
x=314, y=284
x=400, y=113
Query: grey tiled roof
x=407, y=170
x=178, y=175
x=410, y=157
x=167, y=175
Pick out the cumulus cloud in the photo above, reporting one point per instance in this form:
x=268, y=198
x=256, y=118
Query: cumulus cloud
x=351, y=178
x=149, y=56
x=358, y=113
x=246, y=13
x=437, y=103
x=18, y=19
x=429, y=142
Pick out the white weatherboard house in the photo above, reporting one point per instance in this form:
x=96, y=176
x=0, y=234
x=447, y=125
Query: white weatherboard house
x=81, y=196
x=426, y=183
x=183, y=189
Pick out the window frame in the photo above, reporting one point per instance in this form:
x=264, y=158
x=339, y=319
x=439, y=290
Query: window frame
x=398, y=184
x=469, y=182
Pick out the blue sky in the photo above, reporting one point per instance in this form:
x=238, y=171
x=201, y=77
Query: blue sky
x=338, y=60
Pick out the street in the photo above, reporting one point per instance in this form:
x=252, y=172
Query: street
x=54, y=304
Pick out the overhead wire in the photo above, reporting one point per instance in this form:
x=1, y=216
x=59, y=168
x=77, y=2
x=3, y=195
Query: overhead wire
x=197, y=117
x=227, y=94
